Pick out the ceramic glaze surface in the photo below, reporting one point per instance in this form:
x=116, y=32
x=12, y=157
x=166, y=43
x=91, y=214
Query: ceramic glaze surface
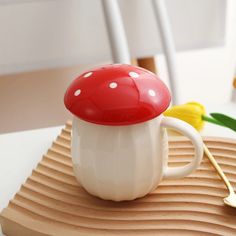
x=117, y=94
x=119, y=163
x=126, y=162
x=119, y=144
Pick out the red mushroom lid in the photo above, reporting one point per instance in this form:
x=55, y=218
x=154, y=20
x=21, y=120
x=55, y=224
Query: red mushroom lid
x=117, y=94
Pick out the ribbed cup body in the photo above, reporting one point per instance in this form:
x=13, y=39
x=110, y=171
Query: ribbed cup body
x=119, y=162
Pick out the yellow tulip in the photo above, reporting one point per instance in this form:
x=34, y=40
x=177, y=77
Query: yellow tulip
x=191, y=112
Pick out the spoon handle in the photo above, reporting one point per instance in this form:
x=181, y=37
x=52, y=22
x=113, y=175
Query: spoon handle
x=218, y=169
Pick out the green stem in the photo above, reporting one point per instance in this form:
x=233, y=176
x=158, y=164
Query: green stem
x=212, y=120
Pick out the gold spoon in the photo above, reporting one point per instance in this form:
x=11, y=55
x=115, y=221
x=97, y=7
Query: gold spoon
x=230, y=200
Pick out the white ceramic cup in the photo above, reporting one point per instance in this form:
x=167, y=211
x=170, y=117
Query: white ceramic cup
x=127, y=162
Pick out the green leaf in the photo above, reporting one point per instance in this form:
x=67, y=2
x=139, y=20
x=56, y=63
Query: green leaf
x=212, y=120
x=226, y=120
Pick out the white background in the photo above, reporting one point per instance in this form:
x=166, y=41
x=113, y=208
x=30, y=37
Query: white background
x=39, y=34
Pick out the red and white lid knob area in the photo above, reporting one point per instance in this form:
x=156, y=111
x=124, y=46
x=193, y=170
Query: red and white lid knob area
x=117, y=94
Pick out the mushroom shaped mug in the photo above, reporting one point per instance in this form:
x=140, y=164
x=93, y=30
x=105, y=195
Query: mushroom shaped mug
x=119, y=139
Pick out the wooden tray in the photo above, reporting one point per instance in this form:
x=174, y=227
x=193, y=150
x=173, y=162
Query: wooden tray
x=51, y=202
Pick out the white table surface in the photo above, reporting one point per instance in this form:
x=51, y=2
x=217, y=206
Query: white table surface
x=21, y=151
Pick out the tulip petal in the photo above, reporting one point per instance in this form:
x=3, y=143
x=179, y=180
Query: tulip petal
x=190, y=112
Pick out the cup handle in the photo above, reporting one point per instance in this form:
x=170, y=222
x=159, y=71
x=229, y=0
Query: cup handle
x=194, y=136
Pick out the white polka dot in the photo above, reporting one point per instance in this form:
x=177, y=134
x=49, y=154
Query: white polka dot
x=133, y=74
x=88, y=74
x=113, y=85
x=151, y=93
x=77, y=92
